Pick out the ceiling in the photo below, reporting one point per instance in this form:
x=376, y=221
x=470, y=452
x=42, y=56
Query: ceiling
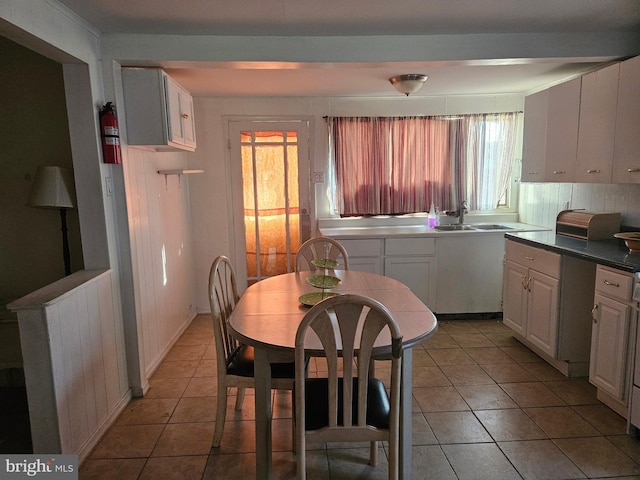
x=355, y=18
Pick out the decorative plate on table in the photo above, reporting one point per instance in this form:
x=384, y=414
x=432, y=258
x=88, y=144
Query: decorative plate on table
x=310, y=299
x=323, y=281
x=324, y=263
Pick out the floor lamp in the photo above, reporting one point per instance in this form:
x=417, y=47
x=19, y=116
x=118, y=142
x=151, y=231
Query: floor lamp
x=53, y=188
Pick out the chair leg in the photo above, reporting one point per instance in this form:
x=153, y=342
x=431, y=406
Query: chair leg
x=240, y=398
x=221, y=415
x=373, y=453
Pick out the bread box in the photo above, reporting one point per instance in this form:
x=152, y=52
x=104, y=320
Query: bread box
x=587, y=225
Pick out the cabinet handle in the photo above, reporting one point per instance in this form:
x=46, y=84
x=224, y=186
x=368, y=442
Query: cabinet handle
x=528, y=284
x=532, y=173
x=594, y=313
x=593, y=171
x=633, y=170
x=558, y=172
x=529, y=258
x=185, y=116
x=524, y=282
x=611, y=284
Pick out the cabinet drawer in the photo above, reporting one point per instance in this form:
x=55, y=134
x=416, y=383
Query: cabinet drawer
x=410, y=246
x=535, y=258
x=613, y=283
x=367, y=247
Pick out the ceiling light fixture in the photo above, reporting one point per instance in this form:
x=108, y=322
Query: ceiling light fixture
x=408, y=83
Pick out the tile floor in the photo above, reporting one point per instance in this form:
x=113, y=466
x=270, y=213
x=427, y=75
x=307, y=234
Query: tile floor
x=484, y=407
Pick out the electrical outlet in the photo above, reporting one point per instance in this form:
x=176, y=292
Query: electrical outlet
x=318, y=177
x=108, y=186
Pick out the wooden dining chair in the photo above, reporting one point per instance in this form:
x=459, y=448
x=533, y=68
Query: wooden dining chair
x=234, y=360
x=321, y=247
x=348, y=405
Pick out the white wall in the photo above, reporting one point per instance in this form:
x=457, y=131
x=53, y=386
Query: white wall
x=540, y=203
x=211, y=192
x=49, y=29
x=161, y=246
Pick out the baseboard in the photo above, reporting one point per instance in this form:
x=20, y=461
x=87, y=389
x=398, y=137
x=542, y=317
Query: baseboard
x=469, y=316
x=91, y=443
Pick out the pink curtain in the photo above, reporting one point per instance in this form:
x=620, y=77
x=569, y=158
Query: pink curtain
x=390, y=166
x=399, y=165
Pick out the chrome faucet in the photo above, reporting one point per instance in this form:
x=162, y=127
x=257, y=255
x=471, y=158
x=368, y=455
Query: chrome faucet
x=463, y=207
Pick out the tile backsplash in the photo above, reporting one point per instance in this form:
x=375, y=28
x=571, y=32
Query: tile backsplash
x=540, y=203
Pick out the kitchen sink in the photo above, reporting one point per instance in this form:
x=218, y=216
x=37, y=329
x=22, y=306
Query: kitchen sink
x=491, y=226
x=452, y=228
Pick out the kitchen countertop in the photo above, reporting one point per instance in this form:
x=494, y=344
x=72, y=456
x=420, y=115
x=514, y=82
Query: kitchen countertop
x=382, y=231
x=612, y=253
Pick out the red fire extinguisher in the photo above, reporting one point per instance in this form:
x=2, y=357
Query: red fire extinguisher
x=110, y=134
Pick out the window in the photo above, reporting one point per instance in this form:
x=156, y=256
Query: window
x=399, y=165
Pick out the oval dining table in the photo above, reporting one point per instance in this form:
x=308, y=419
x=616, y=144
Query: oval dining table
x=267, y=318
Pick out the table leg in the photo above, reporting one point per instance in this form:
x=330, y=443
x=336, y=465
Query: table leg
x=262, y=372
x=406, y=414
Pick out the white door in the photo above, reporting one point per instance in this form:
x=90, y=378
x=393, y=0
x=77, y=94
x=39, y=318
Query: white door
x=270, y=185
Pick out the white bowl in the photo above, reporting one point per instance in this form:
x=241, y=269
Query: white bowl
x=631, y=240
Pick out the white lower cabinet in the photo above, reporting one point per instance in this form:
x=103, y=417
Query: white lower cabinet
x=412, y=261
x=610, y=335
x=544, y=303
x=365, y=255
x=612, y=346
x=542, y=319
x=415, y=272
x=531, y=300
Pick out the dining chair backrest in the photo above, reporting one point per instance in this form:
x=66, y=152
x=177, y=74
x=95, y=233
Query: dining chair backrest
x=223, y=297
x=349, y=404
x=321, y=247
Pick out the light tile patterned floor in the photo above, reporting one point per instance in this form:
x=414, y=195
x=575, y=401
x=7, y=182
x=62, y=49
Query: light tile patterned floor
x=484, y=407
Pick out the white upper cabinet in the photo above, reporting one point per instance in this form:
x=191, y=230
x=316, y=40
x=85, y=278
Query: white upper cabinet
x=597, y=125
x=159, y=111
x=534, y=138
x=563, y=116
x=626, y=152
x=551, y=133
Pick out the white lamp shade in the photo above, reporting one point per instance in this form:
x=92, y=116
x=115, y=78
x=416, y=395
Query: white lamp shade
x=52, y=188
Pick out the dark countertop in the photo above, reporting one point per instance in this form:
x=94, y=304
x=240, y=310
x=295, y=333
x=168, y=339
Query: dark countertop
x=612, y=253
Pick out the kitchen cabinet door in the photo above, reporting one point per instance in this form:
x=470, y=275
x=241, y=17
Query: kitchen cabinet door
x=514, y=299
x=365, y=255
x=542, y=312
x=416, y=272
x=563, y=115
x=366, y=264
x=609, y=346
x=534, y=137
x=596, y=129
x=180, y=114
x=626, y=156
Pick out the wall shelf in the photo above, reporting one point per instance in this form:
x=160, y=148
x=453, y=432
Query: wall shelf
x=179, y=172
